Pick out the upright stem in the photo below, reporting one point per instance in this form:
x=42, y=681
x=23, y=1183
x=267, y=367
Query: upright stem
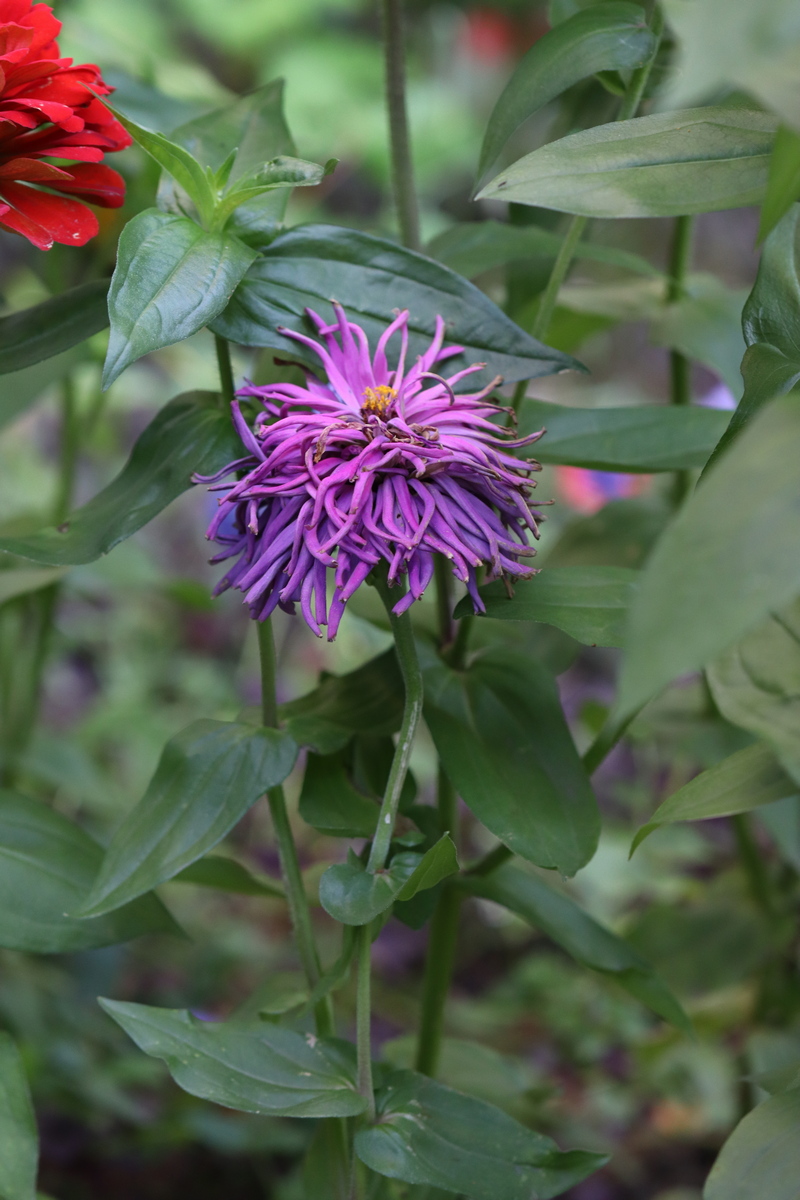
x=287, y=851
x=405, y=198
x=444, y=599
x=225, y=369
x=363, y=1018
x=679, y=365
x=438, y=974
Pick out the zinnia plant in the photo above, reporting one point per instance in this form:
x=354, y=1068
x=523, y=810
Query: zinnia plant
x=49, y=109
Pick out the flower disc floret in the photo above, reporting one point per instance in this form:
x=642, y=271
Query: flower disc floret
x=373, y=465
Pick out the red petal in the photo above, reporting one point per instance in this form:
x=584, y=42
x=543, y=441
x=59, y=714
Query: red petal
x=95, y=184
x=18, y=223
x=46, y=27
x=15, y=41
x=33, y=171
x=66, y=221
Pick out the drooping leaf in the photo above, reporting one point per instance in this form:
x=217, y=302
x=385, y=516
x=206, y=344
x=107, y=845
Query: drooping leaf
x=207, y=778
x=611, y=37
x=477, y=246
x=228, y=875
x=24, y=580
x=372, y=277
x=367, y=700
x=354, y=896
x=752, y=47
x=428, y=1134
x=171, y=279
x=762, y=1156
x=727, y=559
x=783, y=182
x=771, y=363
x=588, y=942
x=331, y=803
x=746, y=780
x=266, y=1070
x=588, y=603
x=20, y=389
x=53, y=326
x=641, y=438
x=503, y=741
x=19, y=1140
x=663, y=165
x=756, y=684
x=191, y=433
x=47, y=865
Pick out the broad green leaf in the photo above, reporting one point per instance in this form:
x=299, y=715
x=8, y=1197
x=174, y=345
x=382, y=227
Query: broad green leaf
x=367, y=700
x=55, y=325
x=373, y=278
x=20, y=389
x=726, y=560
x=621, y=534
x=611, y=37
x=588, y=942
x=19, y=1140
x=191, y=433
x=747, y=779
x=503, y=741
x=663, y=165
x=24, y=580
x=331, y=803
x=473, y=1068
x=173, y=157
x=354, y=896
x=266, y=1070
x=706, y=326
x=761, y=1158
x=428, y=1134
x=478, y=246
x=588, y=603
x=207, y=778
x=171, y=279
x=783, y=183
x=770, y=322
x=639, y=438
x=755, y=47
x=47, y=865
x=227, y=875
x=756, y=685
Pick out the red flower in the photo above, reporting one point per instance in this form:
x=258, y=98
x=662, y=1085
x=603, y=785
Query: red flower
x=48, y=111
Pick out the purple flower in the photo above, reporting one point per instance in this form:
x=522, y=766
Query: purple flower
x=373, y=465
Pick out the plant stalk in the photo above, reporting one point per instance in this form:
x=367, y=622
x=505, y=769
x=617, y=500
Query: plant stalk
x=438, y=974
x=225, y=365
x=363, y=1018
x=405, y=198
x=680, y=367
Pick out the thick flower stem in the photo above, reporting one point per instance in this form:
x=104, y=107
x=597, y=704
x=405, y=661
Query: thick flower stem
x=225, y=369
x=363, y=1018
x=287, y=851
x=405, y=198
x=438, y=974
x=412, y=711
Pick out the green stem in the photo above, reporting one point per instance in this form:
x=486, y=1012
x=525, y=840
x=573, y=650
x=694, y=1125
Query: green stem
x=491, y=861
x=412, y=711
x=438, y=973
x=758, y=879
x=635, y=90
x=363, y=1018
x=680, y=366
x=70, y=444
x=287, y=851
x=605, y=742
x=405, y=198
x=225, y=369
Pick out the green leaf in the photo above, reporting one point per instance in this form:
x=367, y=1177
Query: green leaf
x=752, y=47
x=706, y=326
x=171, y=279
x=782, y=822
x=21, y=389
x=588, y=942
x=663, y=165
x=726, y=560
x=173, y=157
x=747, y=779
x=621, y=534
x=613, y=36
x=19, y=1140
x=501, y=735
x=281, y=172
x=478, y=246
x=191, y=433
x=353, y=895
x=331, y=803
x=771, y=364
x=367, y=700
x=756, y=685
x=473, y=1068
x=428, y=1134
x=783, y=182
x=227, y=875
x=47, y=865
x=588, y=603
x=373, y=278
x=269, y=1070
x=639, y=438
x=762, y=1156
x=53, y=326
x=24, y=580
x=207, y=778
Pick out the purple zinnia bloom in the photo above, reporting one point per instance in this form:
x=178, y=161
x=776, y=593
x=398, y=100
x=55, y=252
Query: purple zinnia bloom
x=372, y=465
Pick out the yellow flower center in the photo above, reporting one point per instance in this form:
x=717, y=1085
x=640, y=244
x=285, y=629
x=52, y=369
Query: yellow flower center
x=378, y=399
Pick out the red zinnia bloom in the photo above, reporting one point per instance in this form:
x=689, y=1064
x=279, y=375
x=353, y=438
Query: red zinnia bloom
x=47, y=110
